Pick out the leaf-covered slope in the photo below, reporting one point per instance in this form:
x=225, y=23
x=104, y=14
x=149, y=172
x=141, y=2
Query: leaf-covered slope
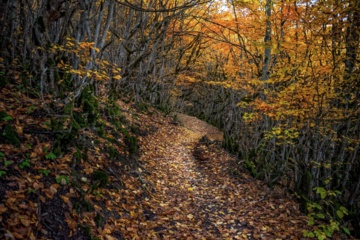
x=64, y=177
x=132, y=175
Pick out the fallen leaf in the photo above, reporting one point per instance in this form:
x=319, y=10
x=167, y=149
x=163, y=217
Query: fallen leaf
x=2, y=208
x=53, y=189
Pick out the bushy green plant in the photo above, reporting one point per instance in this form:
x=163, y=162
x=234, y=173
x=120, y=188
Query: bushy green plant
x=320, y=211
x=44, y=171
x=24, y=164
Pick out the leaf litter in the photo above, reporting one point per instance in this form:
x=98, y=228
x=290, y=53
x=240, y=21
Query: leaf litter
x=177, y=187
x=202, y=200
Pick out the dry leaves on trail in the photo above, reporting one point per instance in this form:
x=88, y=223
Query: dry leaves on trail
x=201, y=200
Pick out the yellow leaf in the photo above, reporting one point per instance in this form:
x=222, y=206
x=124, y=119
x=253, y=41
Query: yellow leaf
x=109, y=237
x=117, y=77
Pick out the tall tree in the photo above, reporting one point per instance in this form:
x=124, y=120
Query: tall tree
x=267, y=42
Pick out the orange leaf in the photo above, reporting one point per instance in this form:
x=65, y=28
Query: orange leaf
x=2, y=208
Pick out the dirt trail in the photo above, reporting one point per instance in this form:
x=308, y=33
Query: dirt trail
x=195, y=199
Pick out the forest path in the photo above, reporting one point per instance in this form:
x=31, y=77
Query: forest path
x=200, y=199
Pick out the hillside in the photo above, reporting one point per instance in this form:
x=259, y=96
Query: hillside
x=101, y=185
x=134, y=174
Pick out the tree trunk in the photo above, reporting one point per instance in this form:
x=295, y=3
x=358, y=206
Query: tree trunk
x=267, y=42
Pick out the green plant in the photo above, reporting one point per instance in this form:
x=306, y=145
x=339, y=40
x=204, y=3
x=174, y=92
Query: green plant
x=320, y=211
x=97, y=193
x=62, y=179
x=44, y=171
x=30, y=109
x=2, y=173
x=7, y=118
x=47, y=124
x=24, y=164
x=78, y=154
x=31, y=191
x=50, y=156
x=7, y=163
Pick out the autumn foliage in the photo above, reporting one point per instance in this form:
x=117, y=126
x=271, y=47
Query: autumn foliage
x=297, y=123
x=280, y=78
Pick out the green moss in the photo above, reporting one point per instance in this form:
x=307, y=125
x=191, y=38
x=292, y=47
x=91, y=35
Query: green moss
x=64, y=140
x=100, y=128
x=142, y=107
x=229, y=143
x=86, y=155
x=132, y=144
x=134, y=129
x=78, y=155
x=69, y=108
x=10, y=135
x=91, y=111
x=86, y=229
x=113, y=110
x=130, y=141
x=249, y=165
x=165, y=108
x=3, y=81
x=101, y=178
x=83, y=206
x=111, y=152
x=81, y=119
x=54, y=124
x=75, y=124
x=98, y=219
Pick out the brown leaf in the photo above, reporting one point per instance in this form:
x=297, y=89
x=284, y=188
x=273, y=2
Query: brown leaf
x=3, y=208
x=25, y=221
x=53, y=188
x=108, y=237
x=42, y=199
x=36, y=186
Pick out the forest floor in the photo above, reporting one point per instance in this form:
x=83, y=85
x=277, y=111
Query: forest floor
x=200, y=195
x=140, y=175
